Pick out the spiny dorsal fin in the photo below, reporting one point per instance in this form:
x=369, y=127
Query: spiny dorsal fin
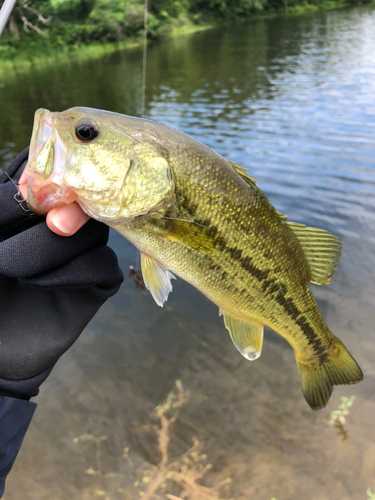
x=156, y=278
x=322, y=251
x=241, y=171
x=246, y=336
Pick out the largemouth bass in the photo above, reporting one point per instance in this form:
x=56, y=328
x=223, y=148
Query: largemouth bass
x=192, y=213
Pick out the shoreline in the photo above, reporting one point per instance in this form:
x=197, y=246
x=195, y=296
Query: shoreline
x=93, y=51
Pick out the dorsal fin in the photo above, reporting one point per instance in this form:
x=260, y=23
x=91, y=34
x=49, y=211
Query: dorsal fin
x=241, y=171
x=322, y=251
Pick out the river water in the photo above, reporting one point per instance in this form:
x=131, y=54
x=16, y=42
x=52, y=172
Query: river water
x=293, y=100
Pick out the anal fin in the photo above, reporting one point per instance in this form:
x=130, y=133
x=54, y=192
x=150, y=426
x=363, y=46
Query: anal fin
x=156, y=278
x=246, y=336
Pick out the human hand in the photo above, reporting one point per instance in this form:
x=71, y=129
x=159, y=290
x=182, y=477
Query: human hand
x=50, y=287
x=65, y=220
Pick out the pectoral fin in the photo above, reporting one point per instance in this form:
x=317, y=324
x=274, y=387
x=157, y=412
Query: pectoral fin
x=192, y=235
x=247, y=337
x=322, y=251
x=156, y=278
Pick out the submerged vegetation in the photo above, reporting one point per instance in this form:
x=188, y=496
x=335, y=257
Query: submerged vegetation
x=47, y=28
x=180, y=477
x=338, y=417
x=177, y=478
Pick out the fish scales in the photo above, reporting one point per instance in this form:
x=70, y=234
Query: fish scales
x=246, y=257
x=191, y=212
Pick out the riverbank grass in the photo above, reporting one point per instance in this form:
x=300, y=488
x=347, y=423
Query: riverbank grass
x=41, y=54
x=28, y=59
x=39, y=51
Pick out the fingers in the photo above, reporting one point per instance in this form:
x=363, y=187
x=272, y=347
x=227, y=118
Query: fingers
x=23, y=190
x=23, y=178
x=66, y=220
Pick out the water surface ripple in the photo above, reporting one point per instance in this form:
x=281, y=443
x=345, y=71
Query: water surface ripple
x=293, y=100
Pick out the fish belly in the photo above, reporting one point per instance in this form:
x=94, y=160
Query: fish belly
x=263, y=299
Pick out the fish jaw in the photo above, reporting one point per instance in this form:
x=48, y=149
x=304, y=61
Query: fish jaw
x=47, y=159
x=113, y=176
x=42, y=198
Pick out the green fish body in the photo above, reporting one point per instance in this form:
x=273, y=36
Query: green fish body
x=192, y=213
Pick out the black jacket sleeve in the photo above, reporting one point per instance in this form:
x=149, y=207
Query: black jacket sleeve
x=15, y=417
x=50, y=288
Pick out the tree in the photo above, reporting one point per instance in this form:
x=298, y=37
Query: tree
x=31, y=18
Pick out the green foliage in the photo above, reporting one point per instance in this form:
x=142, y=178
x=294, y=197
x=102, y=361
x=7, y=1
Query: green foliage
x=115, y=19
x=342, y=411
x=99, y=20
x=168, y=9
x=338, y=417
x=83, y=22
x=231, y=8
x=72, y=10
x=360, y=2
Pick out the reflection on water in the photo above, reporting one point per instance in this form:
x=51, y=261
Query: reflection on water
x=293, y=100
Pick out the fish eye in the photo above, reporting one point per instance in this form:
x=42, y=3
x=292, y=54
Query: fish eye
x=86, y=130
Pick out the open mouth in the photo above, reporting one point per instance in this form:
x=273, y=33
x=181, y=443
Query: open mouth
x=42, y=199
x=46, y=164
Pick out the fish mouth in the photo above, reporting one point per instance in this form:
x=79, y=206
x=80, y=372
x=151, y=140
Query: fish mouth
x=47, y=159
x=42, y=132
x=41, y=198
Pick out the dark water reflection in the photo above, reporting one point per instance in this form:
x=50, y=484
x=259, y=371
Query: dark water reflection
x=292, y=100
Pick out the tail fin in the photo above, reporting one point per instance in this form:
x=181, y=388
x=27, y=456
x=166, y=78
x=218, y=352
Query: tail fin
x=318, y=379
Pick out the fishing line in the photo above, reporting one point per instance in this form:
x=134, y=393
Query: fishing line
x=145, y=15
x=18, y=197
x=143, y=88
